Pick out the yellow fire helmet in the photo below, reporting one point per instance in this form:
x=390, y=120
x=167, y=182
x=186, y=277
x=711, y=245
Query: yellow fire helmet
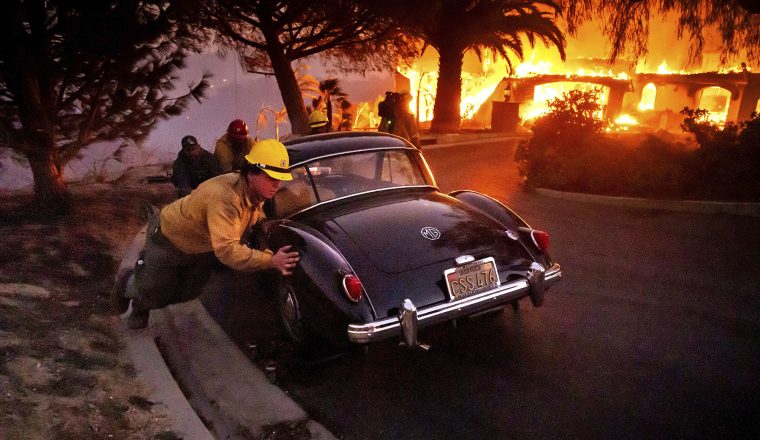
x=271, y=156
x=317, y=119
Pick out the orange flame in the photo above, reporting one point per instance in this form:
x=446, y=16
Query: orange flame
x=481, y=81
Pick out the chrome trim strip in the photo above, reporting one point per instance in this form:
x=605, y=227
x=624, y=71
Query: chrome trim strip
x=553, y=273
x=390, y=188
x=427, y=316
x=347, y=152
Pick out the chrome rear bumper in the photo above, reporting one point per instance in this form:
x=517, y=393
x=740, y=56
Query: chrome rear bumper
x=427, y=316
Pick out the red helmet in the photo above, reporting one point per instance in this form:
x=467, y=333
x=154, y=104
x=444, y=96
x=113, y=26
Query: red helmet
x=237, y=130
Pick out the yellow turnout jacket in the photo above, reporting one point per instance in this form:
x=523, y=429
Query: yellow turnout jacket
x=213, y=218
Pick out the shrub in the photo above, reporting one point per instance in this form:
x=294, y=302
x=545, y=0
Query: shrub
x=659, y=168
x=560, y=134
x=727, y=162
x=569, y=152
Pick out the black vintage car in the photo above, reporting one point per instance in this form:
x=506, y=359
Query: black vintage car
x=383, y=251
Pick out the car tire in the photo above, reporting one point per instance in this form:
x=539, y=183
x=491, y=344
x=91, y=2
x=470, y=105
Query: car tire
x=305, y=342
x=290, y=314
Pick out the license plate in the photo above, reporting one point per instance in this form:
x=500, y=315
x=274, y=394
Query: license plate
x=471, y=278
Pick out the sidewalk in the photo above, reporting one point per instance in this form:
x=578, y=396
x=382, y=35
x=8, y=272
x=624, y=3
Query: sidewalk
x=222, y=387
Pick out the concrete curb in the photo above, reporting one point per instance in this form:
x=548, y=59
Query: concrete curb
x=702, y=207
x=226, y=389
x=169, y=402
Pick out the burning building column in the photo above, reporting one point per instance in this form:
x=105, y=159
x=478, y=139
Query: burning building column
x=750, y=100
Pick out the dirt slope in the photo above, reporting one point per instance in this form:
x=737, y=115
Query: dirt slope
x=64, y=371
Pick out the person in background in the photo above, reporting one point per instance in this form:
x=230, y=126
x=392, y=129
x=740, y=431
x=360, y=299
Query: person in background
x=192, y=166
x=405, y=124
x=385, y=111
x=191, y=235
x=231, y=148
x=318, y=122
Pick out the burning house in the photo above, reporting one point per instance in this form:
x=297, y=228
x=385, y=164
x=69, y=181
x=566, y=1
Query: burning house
x=648, y=94
x=649, y=98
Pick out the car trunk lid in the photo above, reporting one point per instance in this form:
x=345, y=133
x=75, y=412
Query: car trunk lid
x=418, y=231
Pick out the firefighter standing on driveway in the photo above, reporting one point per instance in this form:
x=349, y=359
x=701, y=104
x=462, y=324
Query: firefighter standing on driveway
x=231, y=148
x=190, y=234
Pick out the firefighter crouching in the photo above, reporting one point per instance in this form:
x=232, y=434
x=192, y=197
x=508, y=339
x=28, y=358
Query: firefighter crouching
x=192, y=233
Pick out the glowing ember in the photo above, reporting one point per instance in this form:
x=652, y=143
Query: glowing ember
x=626, y=119
x=624, y=122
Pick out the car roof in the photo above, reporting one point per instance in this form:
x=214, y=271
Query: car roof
x=306, y=148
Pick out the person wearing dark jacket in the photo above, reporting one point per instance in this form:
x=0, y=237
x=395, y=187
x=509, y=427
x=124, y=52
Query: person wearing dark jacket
x=404, y=123
x=193, y=166
x=386, y=113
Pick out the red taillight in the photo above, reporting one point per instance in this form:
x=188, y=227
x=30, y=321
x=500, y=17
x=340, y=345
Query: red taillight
x=353, y=287
x=541, y=239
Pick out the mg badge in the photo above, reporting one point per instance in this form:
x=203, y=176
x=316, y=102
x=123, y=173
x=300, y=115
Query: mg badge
x=430, y=233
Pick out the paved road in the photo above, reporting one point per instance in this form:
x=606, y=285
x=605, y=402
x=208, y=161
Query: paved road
x=654, y=332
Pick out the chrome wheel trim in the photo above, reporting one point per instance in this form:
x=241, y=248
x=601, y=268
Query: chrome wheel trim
x=290, y=313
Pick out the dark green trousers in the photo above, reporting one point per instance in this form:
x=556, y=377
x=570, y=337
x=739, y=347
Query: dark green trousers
x=168, y=275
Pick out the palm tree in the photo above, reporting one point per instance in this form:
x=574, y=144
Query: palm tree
x=453, y=27
x=278, y=118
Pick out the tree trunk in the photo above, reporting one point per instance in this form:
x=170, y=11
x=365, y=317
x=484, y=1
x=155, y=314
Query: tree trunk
x=446, y=117
x=49, y=188
x=50, y=191
x=289, y=89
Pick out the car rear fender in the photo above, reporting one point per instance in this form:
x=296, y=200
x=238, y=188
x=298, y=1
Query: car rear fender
x=320, y=271
x=491, y=207
x=504, y=215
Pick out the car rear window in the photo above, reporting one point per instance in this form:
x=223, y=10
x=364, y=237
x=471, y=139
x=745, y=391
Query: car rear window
x=345, y=175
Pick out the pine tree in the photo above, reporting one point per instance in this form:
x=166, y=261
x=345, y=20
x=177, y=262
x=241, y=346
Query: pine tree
x=75, y=72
